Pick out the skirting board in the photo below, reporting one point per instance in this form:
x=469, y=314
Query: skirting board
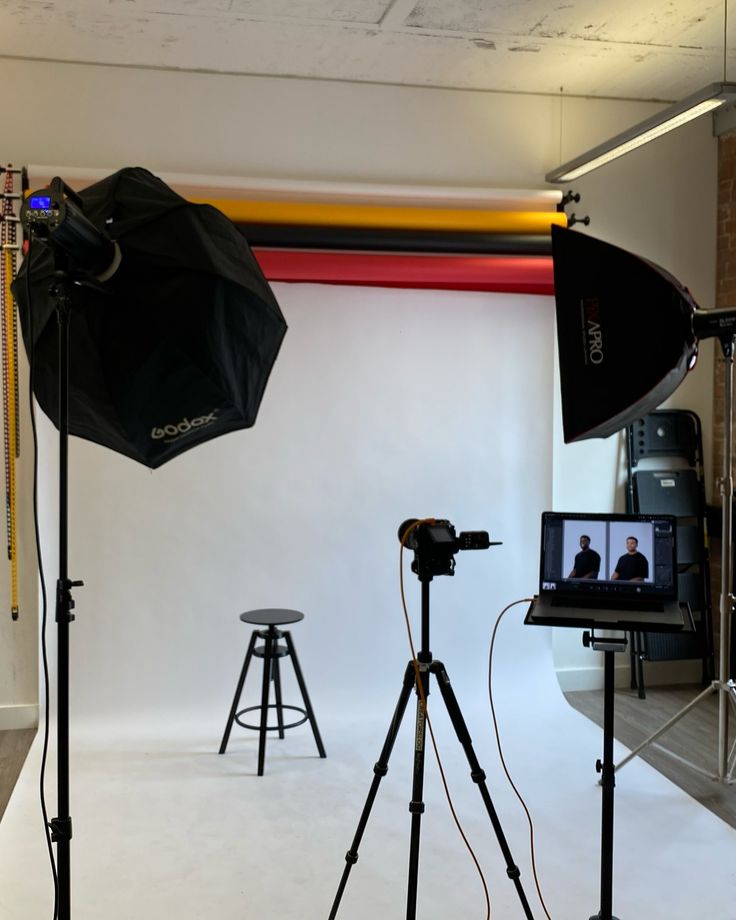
x=655, y=673
x=25, y=716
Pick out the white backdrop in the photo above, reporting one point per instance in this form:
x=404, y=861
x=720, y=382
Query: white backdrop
x=382, y=405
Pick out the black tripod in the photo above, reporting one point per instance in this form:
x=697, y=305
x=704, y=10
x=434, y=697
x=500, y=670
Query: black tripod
x=413, y=674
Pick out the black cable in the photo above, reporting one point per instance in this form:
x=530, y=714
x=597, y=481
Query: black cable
x=503, y=762
x=42, y=578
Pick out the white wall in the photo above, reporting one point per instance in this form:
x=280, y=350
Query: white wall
x=19, y=638
x=130, y=527
x=660, y=202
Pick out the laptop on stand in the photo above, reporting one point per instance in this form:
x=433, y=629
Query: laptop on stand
x=613, y=571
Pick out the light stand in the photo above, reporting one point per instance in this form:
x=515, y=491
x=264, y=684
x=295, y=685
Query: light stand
x=61, y=827
x=50, y=215
x=600, y=618
x=724, y=686
x=606, y=767
x=174, y=335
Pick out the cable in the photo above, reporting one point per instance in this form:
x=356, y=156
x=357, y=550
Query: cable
x=42, y=578
x=523, y=600
x=423, y=702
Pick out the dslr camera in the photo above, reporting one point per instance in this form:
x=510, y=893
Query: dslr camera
x=435, y=543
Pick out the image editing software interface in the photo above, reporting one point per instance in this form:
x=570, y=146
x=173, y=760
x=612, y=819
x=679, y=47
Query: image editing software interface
x=612, y=557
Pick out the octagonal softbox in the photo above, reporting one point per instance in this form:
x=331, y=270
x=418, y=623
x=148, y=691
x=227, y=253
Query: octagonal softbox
x=177, y=347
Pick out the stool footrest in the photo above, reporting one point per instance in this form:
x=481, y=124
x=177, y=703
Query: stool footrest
x=271, y=728
x=271, y=653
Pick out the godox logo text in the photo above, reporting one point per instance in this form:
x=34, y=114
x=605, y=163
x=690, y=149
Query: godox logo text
x=183, y=427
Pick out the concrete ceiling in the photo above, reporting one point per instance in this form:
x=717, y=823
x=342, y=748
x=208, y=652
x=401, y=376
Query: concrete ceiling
x=638, y=49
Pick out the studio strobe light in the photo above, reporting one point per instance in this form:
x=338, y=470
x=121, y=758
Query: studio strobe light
x=174, y=334
x=54, y=214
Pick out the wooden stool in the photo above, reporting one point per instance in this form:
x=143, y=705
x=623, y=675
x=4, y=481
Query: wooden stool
x=271, y=652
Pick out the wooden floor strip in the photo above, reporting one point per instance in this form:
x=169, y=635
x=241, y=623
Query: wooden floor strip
x=14, y=747
x=694, y=737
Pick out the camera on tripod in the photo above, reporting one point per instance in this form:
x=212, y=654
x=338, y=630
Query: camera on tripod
x=435, y=543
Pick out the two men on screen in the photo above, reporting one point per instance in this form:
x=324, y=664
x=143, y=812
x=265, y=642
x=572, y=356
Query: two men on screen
x=632, y=566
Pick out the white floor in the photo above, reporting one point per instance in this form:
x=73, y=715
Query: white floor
x=164, y=827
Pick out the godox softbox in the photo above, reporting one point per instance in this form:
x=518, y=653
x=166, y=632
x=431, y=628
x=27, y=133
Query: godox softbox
x=176, y=346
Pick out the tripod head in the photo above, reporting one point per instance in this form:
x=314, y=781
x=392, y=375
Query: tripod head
x=435, y=543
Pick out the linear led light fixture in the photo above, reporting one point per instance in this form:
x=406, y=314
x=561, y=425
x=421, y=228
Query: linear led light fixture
x=668, y=119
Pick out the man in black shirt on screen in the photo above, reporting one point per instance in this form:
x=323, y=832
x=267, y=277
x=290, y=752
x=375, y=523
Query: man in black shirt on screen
x=587, y=562
x=632, y=566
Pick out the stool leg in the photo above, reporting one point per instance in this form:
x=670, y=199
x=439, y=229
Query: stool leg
x=305, y=695
x=238, y=692
x=267, y=659
x=277, y=688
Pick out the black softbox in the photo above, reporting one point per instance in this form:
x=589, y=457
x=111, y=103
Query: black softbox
x=177, y=347
x=624, y=331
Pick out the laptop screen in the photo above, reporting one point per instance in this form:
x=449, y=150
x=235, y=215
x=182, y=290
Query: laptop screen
x=621, y=557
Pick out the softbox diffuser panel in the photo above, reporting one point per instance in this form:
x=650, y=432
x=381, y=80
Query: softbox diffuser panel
x=177, y=347
x=624, y=331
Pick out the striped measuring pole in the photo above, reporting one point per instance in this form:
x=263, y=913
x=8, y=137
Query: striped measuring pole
x=10, y=241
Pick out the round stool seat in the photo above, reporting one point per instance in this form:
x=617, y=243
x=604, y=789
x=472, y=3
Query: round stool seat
x=272, y=616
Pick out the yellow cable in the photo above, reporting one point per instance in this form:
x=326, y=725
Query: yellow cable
x=386, y=217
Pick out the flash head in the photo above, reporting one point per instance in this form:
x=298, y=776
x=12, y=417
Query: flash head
x=55, y=214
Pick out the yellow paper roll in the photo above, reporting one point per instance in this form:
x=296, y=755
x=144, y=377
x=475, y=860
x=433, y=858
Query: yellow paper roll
x=389, y=218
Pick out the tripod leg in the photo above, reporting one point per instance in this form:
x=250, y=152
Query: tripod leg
x=379, y=770
x=416, y=806
x=479, y=777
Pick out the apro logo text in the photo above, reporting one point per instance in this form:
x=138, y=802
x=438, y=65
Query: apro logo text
x=593, y=332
